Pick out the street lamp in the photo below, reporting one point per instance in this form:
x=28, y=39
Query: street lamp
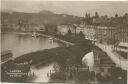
x=120, y=61
x=127, y=69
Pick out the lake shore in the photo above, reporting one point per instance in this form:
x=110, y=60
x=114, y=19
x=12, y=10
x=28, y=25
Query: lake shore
x=73, y=53
x=44, y=35
x=54, y=52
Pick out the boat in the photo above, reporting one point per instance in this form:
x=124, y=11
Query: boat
x=50, y=38
x=35, y=34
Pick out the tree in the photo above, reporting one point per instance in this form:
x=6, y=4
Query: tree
x=81, y=34
x=125, y=15
x=96, y=15
x=51, y=28
x=87, y=18
x=116, y=15
x=74, y=26
x=86, y=15
x=69, y=32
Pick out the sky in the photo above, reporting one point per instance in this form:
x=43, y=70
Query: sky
x=77, y=8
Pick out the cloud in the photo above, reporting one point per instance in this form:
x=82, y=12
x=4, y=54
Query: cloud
x=78, y=8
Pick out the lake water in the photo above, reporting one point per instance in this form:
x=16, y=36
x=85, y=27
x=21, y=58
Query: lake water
x=24, y=43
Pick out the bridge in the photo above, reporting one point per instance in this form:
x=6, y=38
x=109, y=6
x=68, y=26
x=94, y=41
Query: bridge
x=118, y=60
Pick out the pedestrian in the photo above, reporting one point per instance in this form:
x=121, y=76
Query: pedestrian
x=47, y=74
x=33, y=74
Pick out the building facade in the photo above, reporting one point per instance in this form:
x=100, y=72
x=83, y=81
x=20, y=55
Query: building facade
x=104, y=33
x=89, y=32
x=72, y=27
x=79, y=29
x=62, y=29
x=123, y=33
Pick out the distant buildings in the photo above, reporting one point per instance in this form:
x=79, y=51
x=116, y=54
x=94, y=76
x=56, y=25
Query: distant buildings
x=104, y=33
x=80, y=28
x=122, y=32
x=122, y=36
x=95, y=32
x=89, y=32
x=73, y=27
x=102, y=28
x=92, y=32
x=62, y=29
x=51, y=28
x=41, y=28
x=98, y=28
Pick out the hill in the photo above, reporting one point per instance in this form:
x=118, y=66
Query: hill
x=43, y=17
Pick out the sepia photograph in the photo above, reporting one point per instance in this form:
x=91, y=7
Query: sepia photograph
x=64, y=42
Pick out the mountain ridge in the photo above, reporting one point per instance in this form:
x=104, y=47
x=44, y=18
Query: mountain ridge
x=42, y=17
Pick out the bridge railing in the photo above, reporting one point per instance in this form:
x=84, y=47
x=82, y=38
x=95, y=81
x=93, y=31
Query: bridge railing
x=123, y=63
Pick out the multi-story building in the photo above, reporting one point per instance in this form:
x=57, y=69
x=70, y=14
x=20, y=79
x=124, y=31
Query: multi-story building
x=122, y=36
x=62, y=29
x=104, y=33
x=89, y=32
x=101, y=33
x=73, y=27
x=41, y=27
x=79, y=29
x=111, y=32
x=123, y=33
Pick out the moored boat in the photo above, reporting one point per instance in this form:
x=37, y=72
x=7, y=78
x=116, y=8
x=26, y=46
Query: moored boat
x=35, y=34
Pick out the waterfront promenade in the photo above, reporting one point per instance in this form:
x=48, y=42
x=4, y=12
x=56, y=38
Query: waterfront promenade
x=117, y=59
x=54, y=38
x=45, y=35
